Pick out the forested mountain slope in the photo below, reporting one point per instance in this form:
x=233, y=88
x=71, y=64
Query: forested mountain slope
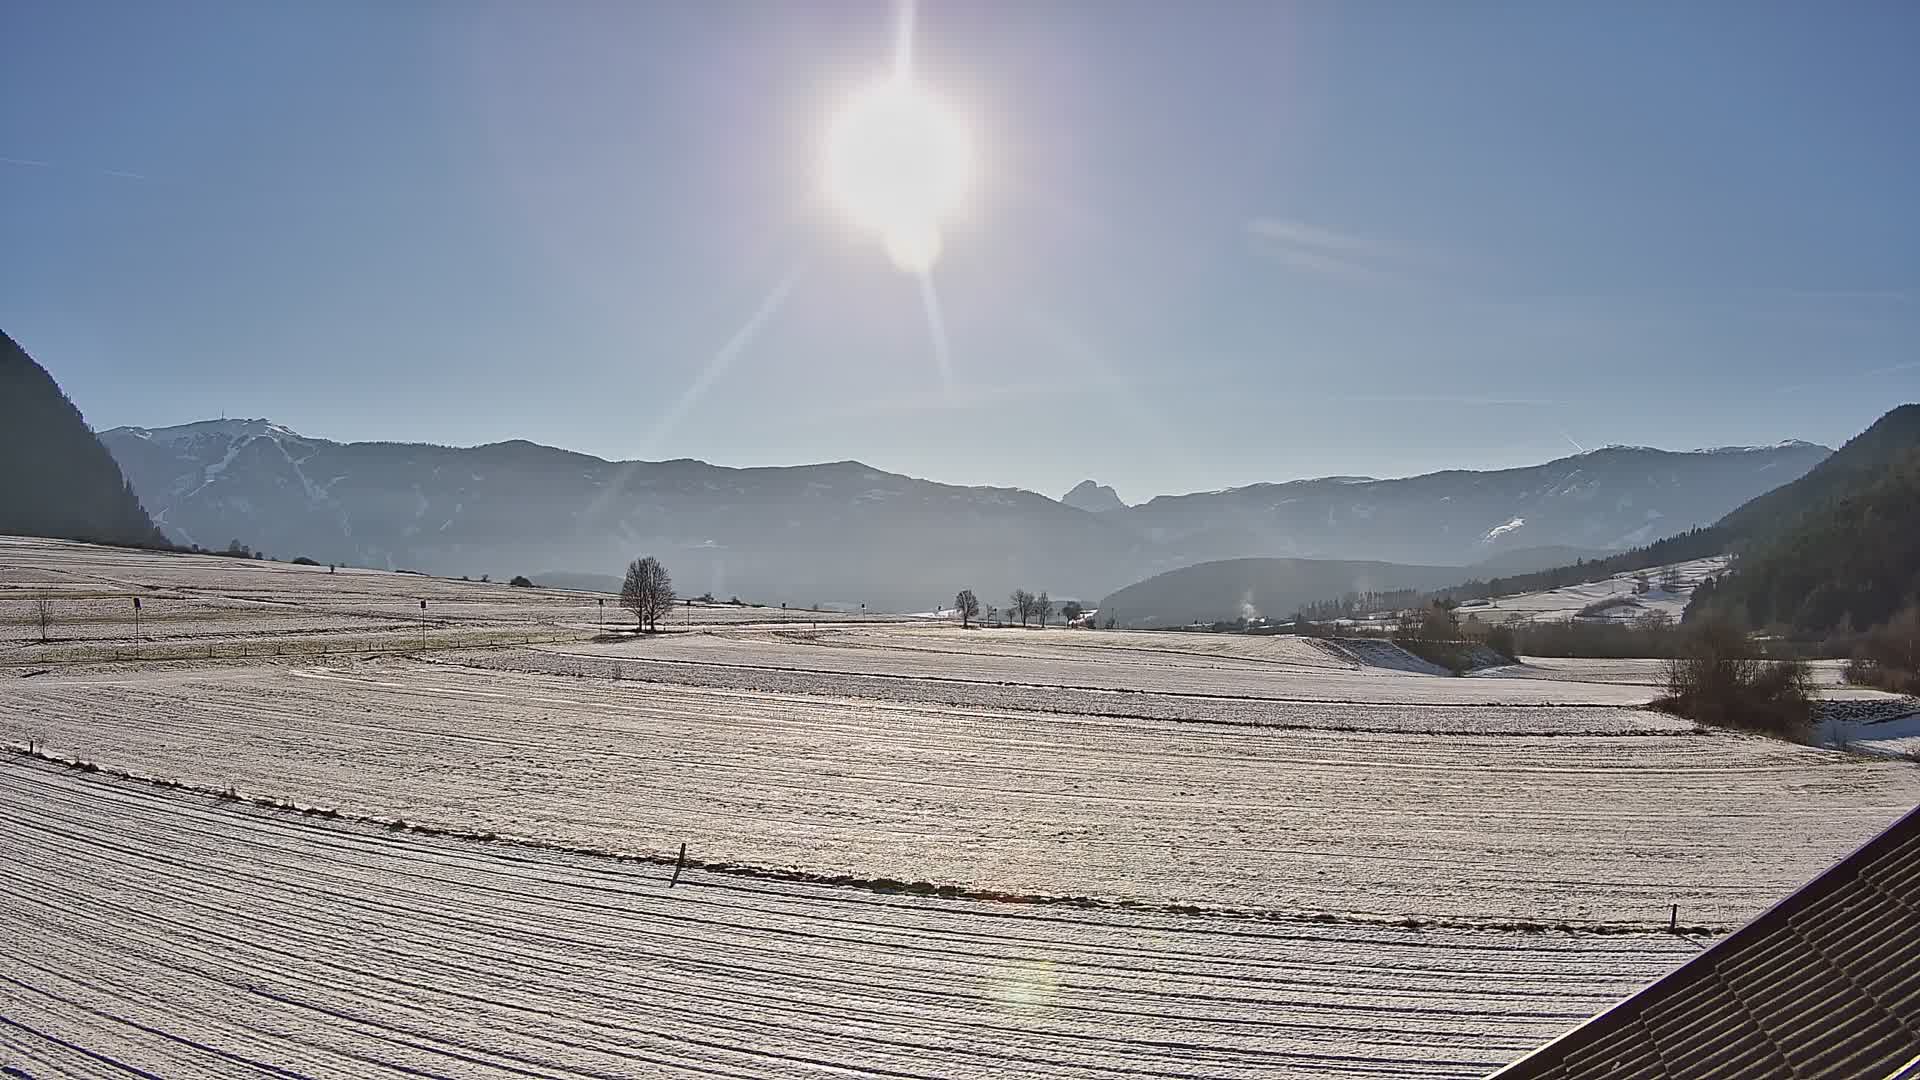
x=1839, y=549
x=55, y=477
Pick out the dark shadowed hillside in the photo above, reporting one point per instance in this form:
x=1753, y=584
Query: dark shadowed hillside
x=1838, y=549
x=1849, y=469
x=55, y=477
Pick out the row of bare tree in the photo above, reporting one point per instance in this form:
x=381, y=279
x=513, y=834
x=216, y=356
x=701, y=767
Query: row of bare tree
x=1022, y=605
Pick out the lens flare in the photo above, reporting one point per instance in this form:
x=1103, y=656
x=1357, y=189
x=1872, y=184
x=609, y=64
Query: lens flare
x=898, y=164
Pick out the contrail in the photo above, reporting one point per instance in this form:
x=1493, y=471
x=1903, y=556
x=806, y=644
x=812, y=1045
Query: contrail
x=937, y=330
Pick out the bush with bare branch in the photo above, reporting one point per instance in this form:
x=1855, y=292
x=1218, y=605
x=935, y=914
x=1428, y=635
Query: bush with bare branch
x=1720, y=679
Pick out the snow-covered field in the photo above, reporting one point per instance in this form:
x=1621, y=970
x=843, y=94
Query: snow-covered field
x=1202, y=665
x=1349, y=809
x=1559, y=605
x=936, y=852
x=195, y=605
x=171, y=933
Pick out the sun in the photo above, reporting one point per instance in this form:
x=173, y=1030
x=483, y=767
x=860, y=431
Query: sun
x=899, y=164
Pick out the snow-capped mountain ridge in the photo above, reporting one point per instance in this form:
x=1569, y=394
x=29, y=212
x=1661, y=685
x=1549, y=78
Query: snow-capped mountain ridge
x=847, y=531
x=222, y=428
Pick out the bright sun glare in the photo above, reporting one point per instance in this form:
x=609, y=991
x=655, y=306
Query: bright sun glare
x=899, y=164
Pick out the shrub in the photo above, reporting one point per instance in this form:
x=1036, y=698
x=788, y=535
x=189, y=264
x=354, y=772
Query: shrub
x=1888, y=656
x=521, y=581
x=1864, y=671
x=302, y=560
x=1719, y=679
x=1501, y=639
x=1648, y=637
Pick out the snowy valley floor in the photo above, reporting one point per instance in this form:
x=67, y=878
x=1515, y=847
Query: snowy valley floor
x=1210, y=857
x=179, y=935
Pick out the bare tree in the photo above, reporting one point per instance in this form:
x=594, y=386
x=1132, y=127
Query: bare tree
x=647, y=591
x=968, y=605
x=43, y=614
x=1042, y=607
x=1020, y=605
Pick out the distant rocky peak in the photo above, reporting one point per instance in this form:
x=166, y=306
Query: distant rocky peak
x=1093, y=498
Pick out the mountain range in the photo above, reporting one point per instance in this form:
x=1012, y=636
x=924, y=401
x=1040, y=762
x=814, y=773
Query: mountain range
x=847, y=533
x=1831, y=553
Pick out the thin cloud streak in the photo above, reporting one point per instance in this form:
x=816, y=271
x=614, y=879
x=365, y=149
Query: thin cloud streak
x=1301, y=234
x=1322, y=252
x=35, y=163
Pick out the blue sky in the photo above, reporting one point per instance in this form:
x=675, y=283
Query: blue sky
x=1211, y=244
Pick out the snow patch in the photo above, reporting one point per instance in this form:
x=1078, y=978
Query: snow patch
x=1501, y=530
x=229, y=429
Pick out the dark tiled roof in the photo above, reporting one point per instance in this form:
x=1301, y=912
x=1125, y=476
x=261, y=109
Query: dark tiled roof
x=1825, y=984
